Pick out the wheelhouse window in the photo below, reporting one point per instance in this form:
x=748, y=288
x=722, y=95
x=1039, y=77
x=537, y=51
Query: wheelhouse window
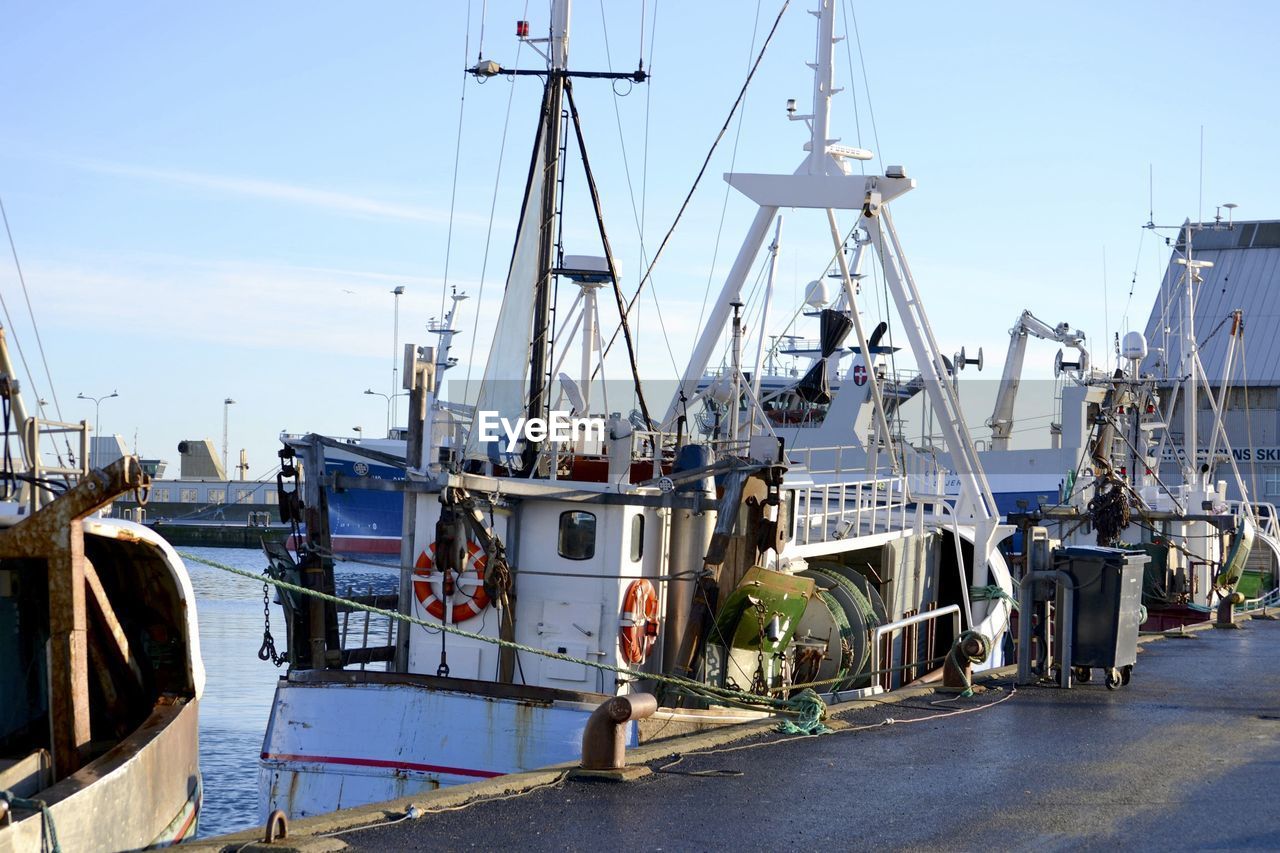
x=637, y=538
x=577, y=535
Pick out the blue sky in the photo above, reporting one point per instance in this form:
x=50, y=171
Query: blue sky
x=212, y=202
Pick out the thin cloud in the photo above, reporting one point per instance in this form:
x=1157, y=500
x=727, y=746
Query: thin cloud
x=345, y=203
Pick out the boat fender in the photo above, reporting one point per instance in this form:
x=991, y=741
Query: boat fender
x=638, y=629
x=466, y=605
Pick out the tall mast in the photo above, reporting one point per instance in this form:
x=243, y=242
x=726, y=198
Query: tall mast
x=553, y=101
x=1191, y=372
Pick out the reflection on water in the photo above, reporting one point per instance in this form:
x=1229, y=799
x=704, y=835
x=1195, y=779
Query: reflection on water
x=239, y=687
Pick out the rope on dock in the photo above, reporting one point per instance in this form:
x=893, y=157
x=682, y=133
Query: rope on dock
x=806, y=706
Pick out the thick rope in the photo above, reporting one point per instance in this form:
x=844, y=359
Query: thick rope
x=48, y=834
x=806, y=706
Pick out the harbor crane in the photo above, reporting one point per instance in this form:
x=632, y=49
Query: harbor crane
x=1001, y=421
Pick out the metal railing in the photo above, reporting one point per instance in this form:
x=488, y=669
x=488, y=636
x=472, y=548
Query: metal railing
x=839, y=510
x=890, y=628
x=363, y=653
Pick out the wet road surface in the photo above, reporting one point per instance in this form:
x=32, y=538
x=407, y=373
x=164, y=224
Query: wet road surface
x=1186, y=757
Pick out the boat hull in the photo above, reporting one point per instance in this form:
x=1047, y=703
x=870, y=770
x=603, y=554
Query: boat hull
x=145, y=792
x=345, y=739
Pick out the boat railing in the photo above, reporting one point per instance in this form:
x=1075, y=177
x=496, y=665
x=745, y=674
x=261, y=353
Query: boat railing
x=828, y=511
x=837, y=459
x=882, y=636
x=1263, y=513
x=38, y=428
x=376, y=632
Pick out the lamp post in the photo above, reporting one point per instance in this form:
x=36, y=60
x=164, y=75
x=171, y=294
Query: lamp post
x=97, y=425
x=395, y=356
x=359, y=431
x=390, y=398
x=226, y=409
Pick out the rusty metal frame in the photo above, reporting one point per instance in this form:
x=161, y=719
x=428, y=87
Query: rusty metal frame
x=54, y=535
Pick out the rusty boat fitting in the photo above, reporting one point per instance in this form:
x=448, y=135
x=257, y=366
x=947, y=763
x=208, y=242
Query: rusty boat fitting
x=1227, y=610
x=604, y=744
x=957, y=671
x=277, y=827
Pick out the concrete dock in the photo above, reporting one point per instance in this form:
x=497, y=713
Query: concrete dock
x=1186, y=757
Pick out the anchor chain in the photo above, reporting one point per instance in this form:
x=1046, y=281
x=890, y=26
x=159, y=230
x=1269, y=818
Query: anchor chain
x=268, y=649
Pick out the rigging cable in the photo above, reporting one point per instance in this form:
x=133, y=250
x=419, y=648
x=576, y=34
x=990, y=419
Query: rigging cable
x=604, y=239
x=866, y=83
x=457, y=152
x=636, y=214
x=35, y=328
x=853, y=89
x=702, y=171
x=728, y=188
x=493, y=206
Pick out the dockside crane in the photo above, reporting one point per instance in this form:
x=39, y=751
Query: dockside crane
x=1001, y=421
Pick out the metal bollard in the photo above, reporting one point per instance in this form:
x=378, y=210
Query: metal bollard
x=1227, y=610
x=957, y=671
x=604, y=744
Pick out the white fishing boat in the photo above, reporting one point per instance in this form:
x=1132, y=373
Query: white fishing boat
x=548, y=573
x=100, y=668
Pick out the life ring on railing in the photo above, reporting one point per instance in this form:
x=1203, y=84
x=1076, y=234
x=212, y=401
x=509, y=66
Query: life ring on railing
x=466, y=605
x=639, y=623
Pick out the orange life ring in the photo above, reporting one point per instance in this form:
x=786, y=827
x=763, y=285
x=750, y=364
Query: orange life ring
x=471, y=604
x=639, y=622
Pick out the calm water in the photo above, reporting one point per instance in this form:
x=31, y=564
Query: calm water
x=239, y=687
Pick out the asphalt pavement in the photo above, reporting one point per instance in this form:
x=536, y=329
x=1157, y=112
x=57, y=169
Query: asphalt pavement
x=1187, y=756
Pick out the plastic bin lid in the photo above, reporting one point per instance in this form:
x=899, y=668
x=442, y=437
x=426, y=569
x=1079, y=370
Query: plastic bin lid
x=1095, y=552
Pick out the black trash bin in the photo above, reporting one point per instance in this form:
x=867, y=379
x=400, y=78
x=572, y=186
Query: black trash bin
x=1106, y=609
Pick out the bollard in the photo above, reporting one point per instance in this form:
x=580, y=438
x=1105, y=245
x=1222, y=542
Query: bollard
x=1227, y=610
x=957, y=671
x=604, y=744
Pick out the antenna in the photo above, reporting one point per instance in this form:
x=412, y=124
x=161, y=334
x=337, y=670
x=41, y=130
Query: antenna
x=1200, y=199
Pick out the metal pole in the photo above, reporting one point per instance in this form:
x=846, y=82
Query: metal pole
x=395, y=361
x=226, y=409
x=97, y=415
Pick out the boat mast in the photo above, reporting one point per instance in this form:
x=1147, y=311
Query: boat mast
x=552, y=105
x=1190, y=403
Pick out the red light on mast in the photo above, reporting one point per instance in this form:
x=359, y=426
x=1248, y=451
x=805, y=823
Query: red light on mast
x=522, y=29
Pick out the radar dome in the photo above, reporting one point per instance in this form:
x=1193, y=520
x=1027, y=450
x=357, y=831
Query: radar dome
x=1134, y=346
x=817, y=295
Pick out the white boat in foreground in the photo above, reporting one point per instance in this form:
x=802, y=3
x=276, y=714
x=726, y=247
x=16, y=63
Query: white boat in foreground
x=720, y=574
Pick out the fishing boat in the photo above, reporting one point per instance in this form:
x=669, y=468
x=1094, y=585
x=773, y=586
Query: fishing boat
x=547, y=570
x=100, y=664
x=366, y=515
x=1153, y=467
x=1140, y=457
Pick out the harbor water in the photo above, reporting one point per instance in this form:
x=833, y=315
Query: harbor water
x=239, y=686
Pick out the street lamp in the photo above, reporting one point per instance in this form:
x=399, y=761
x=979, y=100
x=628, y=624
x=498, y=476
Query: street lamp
x=395, y=356
x=359, y=431
x=388, y=399
x=226, y=409
x=97, y=425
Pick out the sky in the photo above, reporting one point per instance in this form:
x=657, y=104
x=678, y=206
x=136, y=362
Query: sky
x=214, y=201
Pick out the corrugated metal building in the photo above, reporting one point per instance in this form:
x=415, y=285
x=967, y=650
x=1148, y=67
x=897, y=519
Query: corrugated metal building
x=1245, y=275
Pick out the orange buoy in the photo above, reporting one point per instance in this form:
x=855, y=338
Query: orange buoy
x=639, y=623
x=465, y=605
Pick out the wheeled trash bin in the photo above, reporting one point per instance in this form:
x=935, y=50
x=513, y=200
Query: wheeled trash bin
x=1107, y=609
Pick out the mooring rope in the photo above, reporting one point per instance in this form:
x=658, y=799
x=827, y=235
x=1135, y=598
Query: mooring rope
x=806, y=705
